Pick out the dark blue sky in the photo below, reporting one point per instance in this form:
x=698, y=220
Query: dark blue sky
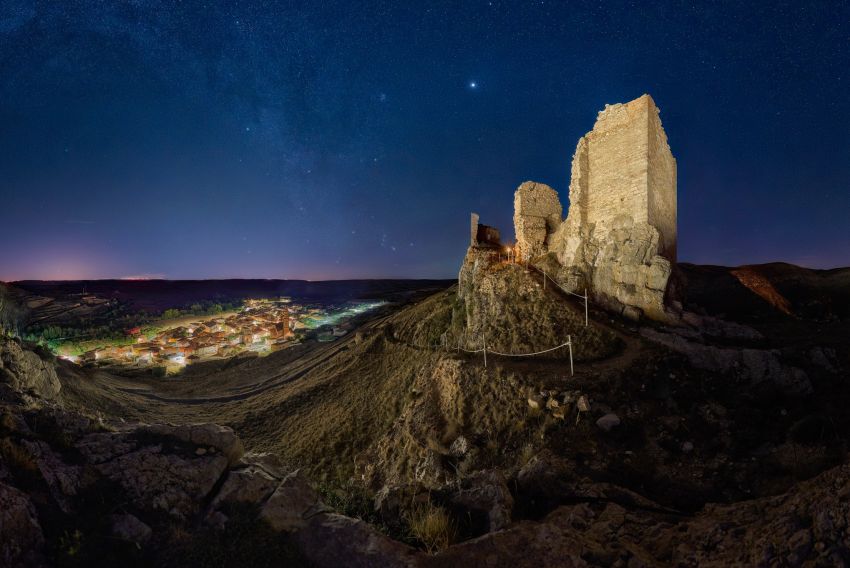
x=345, y=139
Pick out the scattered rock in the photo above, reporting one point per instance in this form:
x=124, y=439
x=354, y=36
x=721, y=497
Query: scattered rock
x=459, y=447
x=292, y=504
x=217, y=520
x=823, y=358
x=688, y=447
x=535, y=401
x=249, y=484
x=608, y=422
x=330, y=540
x=545, y=475
x=130, y=528
x=487, y=491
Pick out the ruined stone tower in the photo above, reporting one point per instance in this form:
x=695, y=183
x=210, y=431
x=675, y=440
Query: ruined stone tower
x=624, y=167
x=537, y=214
x=619, y=237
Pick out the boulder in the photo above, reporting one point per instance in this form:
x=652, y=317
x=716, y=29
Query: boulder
x=545, y=475
x=249, y=484
x=130, y=528
x=608, y=422
x=535, y=401
x=330, y=540
x=487, y=492
x=292, y=504
x=26, y=372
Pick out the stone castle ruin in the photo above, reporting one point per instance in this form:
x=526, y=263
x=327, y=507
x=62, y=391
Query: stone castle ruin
x=483, y=235
x=619, y=237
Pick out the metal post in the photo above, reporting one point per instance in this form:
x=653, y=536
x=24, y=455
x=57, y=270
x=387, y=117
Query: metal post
x=484, y=341
x=570, y=345
x=585, y=306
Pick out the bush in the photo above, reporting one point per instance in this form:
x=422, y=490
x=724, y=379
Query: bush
x=432, y=526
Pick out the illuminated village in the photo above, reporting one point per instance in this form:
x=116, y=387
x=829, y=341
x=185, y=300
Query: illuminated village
x=261, y=326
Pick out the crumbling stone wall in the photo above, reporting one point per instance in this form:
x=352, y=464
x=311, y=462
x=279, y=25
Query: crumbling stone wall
x=537, y=214
x=624, y=167
x=483, y=235
x=619, y=238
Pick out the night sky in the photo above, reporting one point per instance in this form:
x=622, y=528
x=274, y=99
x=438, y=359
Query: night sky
x=352, y=139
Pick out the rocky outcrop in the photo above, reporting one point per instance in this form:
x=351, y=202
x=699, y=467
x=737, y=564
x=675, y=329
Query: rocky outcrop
x=332, y=540
x=213, y=436
x=26, y=372
x=619, y=264
x=805, y=527
x=158, y=471
x=292, y=504
x=506, y=306
x=487, y=492
x=753, y=366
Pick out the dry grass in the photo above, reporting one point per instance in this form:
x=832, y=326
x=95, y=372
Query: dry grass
x=432, y=526
x=323, y=407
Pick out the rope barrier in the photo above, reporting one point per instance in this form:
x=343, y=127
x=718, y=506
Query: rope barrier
x=568, y=343
x=562, y=289
x=529, y=354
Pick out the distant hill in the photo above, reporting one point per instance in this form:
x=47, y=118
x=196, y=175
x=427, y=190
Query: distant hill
x=161, y=294
x=768, y=291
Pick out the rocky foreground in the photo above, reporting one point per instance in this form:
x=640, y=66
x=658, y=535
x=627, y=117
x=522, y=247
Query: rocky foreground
x=80, y=490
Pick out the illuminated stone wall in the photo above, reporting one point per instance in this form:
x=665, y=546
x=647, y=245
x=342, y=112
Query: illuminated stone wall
x=625, y=167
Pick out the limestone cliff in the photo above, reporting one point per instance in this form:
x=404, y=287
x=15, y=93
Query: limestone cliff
x=507, y=306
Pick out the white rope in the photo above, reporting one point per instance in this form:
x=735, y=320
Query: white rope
x=529, y=354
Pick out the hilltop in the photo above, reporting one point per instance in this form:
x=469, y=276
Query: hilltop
x=388, y=423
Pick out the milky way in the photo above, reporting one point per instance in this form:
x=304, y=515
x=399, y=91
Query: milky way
x=352, y=139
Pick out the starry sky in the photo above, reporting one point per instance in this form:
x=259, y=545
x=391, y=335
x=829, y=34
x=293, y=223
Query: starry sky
x=352, y=139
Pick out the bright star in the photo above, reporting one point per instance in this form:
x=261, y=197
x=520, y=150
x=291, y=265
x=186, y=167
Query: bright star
x=473, y=85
